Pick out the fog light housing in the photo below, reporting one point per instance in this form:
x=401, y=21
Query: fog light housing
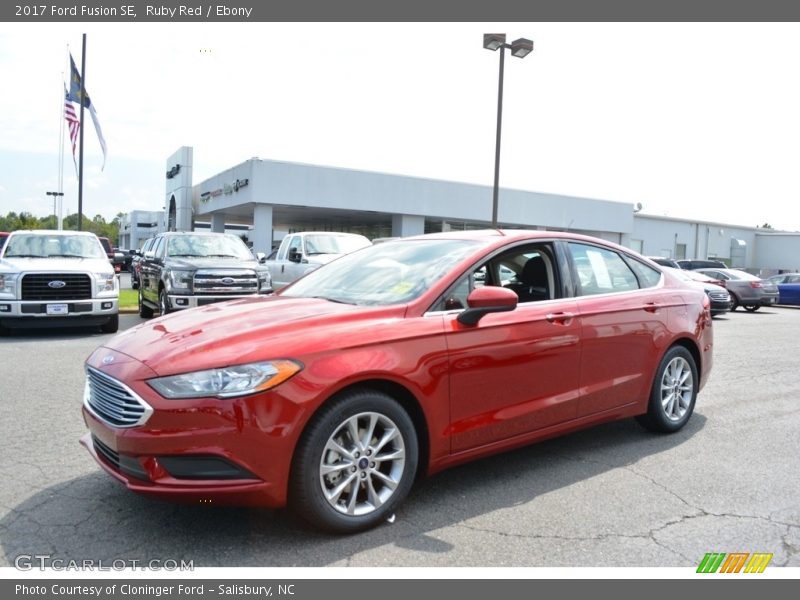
x=5, y=308
x=182, y=302
x=106, y=305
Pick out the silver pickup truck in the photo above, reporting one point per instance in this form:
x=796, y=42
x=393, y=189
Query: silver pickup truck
x=57, y=278
x=300, y=253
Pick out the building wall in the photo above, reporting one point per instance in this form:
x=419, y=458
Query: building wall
x=778, y=252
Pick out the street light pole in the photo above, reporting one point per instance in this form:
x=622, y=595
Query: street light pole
x=519, y=48
x=55, y=196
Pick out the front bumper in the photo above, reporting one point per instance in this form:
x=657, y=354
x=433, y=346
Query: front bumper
x=205, y=450
x=179, y=302
x=33, y=313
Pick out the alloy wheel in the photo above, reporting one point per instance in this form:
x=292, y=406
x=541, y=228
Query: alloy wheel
x=677, y=388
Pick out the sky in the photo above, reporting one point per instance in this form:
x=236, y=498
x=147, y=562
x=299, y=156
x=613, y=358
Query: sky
x=696, y=121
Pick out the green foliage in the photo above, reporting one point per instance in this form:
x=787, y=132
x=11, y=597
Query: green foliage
x=13, y=221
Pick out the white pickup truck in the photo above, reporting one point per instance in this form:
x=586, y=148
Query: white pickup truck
x=300, y=253
x=57, y=278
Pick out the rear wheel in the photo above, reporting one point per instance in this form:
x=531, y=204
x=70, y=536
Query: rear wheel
x=144, y=311
x=674, y=392
x=355, y=463
x=752, y=307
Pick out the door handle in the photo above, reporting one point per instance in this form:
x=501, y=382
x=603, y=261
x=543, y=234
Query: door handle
x=651, y=307
x=561, y=318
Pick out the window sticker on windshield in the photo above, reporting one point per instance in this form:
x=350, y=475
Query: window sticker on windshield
x=600, y=269
x=402, y=288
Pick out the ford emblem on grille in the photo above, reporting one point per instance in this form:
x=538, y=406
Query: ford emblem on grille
x=56, y=284
x=228, y=280
x=107, y=360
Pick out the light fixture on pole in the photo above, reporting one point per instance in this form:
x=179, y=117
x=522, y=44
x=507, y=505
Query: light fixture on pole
x=55, y=195
x=519, y=48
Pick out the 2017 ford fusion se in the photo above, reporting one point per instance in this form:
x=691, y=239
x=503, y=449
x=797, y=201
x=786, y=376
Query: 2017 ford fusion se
x=393, y=362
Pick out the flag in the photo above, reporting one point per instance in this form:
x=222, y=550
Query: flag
x=72, y=122
x=74, y=95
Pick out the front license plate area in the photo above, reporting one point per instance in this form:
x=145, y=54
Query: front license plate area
x=58, y=309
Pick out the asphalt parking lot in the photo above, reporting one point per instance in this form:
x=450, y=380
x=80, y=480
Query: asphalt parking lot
x=615, y=495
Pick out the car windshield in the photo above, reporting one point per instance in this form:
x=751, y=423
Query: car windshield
x=218, y=246
x=390, y=273
x=55, y=245
x=334, y=244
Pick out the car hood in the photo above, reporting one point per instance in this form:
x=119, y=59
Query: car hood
x=211, y=263
x=58, y=265
x=248, y=330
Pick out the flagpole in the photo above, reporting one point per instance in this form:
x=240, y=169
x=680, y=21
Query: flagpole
x=62, y=124
x=80, y=157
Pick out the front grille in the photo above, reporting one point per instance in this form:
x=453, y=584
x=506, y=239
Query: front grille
x=41, y=309
x=107, y=453
x=226, y=281
x=719, y=296
x=126, y=464
x=77, y=286
x=113, y=402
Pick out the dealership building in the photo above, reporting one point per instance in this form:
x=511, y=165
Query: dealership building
x=265, y=199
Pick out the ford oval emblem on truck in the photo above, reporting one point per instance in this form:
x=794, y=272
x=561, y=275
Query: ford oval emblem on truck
x=228, y=280
x=56, y=284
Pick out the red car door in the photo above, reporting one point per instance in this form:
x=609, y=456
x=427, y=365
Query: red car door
x=622, y=317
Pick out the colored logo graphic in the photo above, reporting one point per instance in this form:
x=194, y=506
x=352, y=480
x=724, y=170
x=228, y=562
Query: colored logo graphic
x=736, y=562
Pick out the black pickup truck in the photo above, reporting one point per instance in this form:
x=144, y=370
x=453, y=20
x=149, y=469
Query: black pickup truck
x=185, y=269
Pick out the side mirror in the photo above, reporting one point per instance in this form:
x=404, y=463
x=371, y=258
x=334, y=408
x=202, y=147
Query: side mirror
x=261, y=257
x=149, y=255
x=294, y=255
x=485, y=300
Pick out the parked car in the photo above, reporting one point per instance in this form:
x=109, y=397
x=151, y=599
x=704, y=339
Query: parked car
x=136, y=261
x=57, y=278
x=301, y=253
x=718, y=296
x=745, y=289
x=3, y=236
x=127, y=257
x=389, y=363
x=788, y=287
x=665, y=262
x=185, y=270
x=697, y=263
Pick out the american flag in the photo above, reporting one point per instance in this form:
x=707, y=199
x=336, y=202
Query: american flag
x=73, y=123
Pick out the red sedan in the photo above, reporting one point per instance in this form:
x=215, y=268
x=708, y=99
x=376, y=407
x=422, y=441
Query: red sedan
x=393, y=362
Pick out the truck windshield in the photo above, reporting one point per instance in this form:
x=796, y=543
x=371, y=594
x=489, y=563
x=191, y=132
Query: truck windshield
x=23, y=245
x=334, y=244
x=209, y=246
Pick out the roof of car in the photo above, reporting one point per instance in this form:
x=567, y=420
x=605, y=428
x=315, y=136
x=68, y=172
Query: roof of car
x=52, y=232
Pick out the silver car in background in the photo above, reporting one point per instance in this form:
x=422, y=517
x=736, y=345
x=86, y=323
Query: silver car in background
x=745, y=289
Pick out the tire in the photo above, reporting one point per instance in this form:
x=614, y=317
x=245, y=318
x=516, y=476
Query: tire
x=674, y=392
x=734, y=302
x=144, y=311
x=752, y=307
x=163, y=302
x=112, y=326
x=345, y=491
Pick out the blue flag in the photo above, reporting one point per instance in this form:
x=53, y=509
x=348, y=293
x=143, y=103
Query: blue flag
x=74, y=95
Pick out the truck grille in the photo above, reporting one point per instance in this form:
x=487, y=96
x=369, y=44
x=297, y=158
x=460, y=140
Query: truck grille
x=76, y=286
x=112, y=402
x=225, y=281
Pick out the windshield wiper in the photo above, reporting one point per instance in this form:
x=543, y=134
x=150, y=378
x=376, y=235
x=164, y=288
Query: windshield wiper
x=332, y=300
x=222, y=256
x=65, y=256
x=24, y=256
x=187, y=255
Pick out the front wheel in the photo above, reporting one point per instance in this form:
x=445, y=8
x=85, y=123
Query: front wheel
x=112, y=326
x=752, y=308
x=355, y=463
x=674, y=392
x=734, y=302
x=163, y=302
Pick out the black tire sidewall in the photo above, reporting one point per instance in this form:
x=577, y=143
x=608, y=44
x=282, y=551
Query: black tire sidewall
x=306, y=495
x=655, y=411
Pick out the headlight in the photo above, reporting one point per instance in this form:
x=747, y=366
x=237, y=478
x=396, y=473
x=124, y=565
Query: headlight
x=181, y=280
x=8, y=284
x=264, y=281
x=226, y=382
x=105, y=282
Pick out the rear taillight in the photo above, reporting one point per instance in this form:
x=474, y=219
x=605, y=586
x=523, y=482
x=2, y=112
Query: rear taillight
x=755, y=284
